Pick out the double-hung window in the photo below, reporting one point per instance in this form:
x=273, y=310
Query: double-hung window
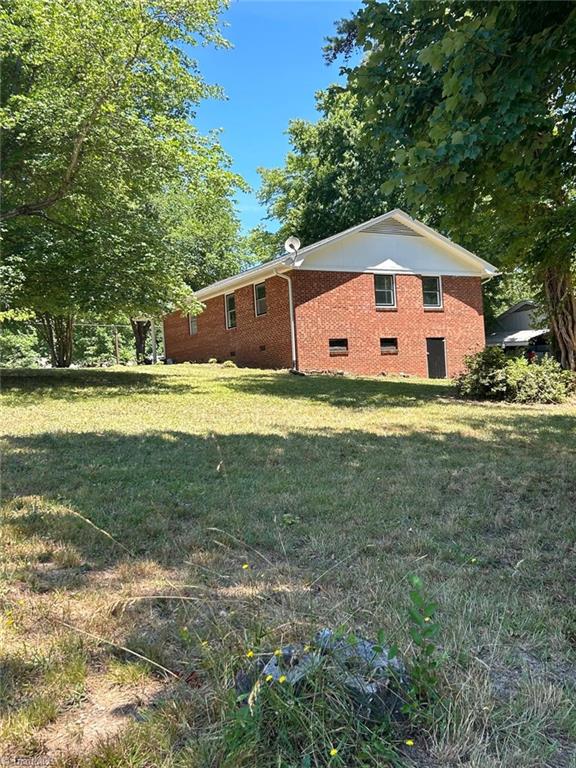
x=230, y=300
x=260, y=307
x=432, y=292
x=384, y=290
x=193, y=325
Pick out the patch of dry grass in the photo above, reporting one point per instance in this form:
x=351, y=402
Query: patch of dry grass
x=132, y=499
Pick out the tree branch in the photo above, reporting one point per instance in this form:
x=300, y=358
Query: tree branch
x=36, y=207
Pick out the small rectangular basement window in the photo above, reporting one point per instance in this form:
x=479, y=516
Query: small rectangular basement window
x=389, y=346
x=193, y=325
x=338, y=347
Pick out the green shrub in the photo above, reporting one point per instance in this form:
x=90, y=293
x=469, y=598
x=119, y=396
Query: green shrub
x=484, y=377
x=229, y=364
x=541, y=382
x=490, y=375
x=19, y=347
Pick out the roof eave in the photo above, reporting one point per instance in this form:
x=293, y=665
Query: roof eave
x=247, y=277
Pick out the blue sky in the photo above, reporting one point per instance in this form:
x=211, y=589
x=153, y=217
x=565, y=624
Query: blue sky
x=270, y=76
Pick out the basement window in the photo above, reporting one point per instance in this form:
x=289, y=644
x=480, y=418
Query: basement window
x=384, y=291
x=260, y=299
x=338, y=347
x=230, y=300
x=389, y=346
x=193, y=325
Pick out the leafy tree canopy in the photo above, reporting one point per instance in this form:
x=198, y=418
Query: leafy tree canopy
x=331, y=180
x=474, y=106
x=112, y=202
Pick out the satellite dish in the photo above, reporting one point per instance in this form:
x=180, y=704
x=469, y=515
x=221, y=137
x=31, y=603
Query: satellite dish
x=292, y=244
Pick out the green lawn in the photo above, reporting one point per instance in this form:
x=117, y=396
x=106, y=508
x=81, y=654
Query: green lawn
x=332, y=490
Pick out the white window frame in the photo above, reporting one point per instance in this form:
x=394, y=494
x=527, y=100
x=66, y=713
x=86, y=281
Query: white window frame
x=440, y=292
x=256, y=300
x=385, y=306
x=226, y=312
x=192, y=323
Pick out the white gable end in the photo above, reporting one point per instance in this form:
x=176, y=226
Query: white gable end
x=371, y=251
x=393, y=242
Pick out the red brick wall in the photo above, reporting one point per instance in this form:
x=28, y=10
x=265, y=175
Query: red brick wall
x=335, y=305
x=341, y=305
x=213, y=339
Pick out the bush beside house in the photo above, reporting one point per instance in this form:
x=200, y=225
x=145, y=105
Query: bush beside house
x=490, y=375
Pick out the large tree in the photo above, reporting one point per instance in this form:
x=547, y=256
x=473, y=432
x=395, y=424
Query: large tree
x=102, y=169
x=134, y=263
x=474, y=105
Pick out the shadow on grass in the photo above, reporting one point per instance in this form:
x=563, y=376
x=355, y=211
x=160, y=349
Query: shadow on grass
x=342, y=391
x=30, y=385
x=156, y=494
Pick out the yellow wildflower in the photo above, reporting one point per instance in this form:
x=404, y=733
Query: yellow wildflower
x=269, y=678
x=473, y=560
x=307, y=648
x=245, y=566
x=250, y=654
x=427, y=619
x=282, y=679
x=333, y=752
x=277, y=652
x=409, y=742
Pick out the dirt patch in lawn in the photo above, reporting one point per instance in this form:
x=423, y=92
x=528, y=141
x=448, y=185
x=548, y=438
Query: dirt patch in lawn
x=106, y=711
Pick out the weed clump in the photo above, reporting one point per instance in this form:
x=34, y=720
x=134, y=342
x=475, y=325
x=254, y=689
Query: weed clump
x=341, y=700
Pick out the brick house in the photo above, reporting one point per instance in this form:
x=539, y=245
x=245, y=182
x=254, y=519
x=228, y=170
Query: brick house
x=387, y=296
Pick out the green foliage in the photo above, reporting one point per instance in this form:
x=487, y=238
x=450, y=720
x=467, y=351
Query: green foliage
x=473, y=105
x=485, y=377
x=319, y=722
x=425, y=663
x=96, y=99
x=507, y=289
x=313, y=725
x=490, y=375
x=541, y=382
x=331, y=179
x=19, y=346
x=112, y=201
x=94, y=345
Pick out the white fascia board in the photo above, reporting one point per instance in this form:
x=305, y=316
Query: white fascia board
x=432, y=234
x=249, y=276
x=339, y=235
x=286, y=262
x=398, y=271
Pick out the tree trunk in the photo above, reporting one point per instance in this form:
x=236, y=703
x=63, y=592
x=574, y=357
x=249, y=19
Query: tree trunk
x=58, y=332
x=140, y=329
x=561, y=298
